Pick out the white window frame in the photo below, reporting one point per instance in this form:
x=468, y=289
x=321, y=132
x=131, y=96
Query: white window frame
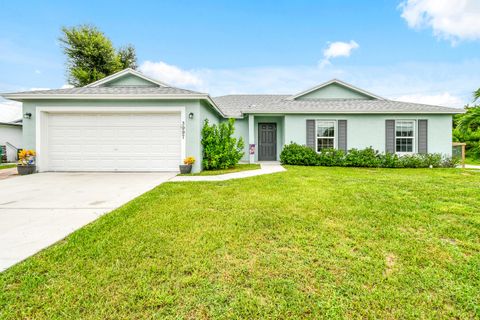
x=334, y=133
x=414, y=137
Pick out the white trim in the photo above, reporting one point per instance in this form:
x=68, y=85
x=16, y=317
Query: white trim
x=349, y=86
x=122, y=73
x=335, y=139
x=41, y=124
x=355, y=112
x=414, y=137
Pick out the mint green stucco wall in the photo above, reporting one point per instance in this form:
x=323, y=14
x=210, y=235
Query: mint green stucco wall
x=369, y=130
x=241, y=130
x=334, y=91
x=129, y=80
x=193, y=126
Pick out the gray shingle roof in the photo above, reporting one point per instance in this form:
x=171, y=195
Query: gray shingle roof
x=116, y=90
x=236, y=105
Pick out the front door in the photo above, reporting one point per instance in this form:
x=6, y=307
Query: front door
x=267, y=141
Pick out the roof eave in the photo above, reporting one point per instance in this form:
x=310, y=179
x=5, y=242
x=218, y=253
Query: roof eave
x=353, y=112
x=26, y=97
x=322, y=85
x=122, y=73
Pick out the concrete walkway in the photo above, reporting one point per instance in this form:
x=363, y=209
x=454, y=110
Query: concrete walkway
x=266, y=168
x=8, y=173
x=471, y=166
x=40, y=209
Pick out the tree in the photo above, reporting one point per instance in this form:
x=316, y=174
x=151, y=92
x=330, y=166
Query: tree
x=467, y=129
x=91, y=55
x=128, y=57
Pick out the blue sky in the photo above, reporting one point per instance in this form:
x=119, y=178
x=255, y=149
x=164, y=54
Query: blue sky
x=415, y=50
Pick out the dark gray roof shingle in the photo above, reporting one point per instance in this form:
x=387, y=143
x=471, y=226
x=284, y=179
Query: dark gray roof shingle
x=237, y=105
x=116, y=90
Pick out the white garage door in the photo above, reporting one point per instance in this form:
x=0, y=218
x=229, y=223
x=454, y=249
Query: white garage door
x=114, y=142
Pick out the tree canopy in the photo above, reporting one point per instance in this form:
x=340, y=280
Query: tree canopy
x=91, y=55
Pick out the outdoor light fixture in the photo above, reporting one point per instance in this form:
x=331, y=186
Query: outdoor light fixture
x=190, y=115
x=27, y=115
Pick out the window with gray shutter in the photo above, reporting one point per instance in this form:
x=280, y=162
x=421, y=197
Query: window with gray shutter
x=422, y=136
x=311, y=134
x=342, y=135
x=390, y=136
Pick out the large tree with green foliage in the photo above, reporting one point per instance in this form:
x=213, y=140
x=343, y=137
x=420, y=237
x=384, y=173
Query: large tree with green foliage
x=467, y=128
x=91, y=55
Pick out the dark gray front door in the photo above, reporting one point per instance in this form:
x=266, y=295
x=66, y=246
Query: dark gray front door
x=267, y=141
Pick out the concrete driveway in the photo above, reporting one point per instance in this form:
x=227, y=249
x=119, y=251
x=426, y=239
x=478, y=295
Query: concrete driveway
x=41, y=209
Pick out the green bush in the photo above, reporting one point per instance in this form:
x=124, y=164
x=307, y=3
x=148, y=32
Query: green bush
x=295, y=154
x=298, y=155
x=363, y=158
x=220, y=149
x=330, y=157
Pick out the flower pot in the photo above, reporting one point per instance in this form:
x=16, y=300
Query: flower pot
x=23, y=170
x=185, y=168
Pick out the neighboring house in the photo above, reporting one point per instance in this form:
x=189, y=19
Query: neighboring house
x=130, y=122
x=10, y=139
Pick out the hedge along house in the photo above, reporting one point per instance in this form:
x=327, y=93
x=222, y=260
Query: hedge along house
x=129, y=122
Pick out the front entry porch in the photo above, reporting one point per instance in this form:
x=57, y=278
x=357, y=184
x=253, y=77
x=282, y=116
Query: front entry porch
x=266, y=137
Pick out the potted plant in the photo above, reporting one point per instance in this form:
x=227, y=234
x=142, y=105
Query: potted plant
x=26, y=162
x=186, y=167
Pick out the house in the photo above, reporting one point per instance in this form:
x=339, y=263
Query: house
x=10, y=140
x=130, y=122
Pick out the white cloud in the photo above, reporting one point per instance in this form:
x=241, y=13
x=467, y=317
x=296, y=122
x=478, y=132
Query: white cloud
x=337, y=49
x=66, y=86
x=10, y=110
x=170, y=74
x=39, y=89
x=38, y=71
x=443, y=99
x=453, y=20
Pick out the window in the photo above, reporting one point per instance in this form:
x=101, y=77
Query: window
x=325, y=135
x=404, y=136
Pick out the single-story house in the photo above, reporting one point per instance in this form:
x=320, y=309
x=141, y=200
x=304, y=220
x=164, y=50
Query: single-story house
x=10, y=140
x=130, y=122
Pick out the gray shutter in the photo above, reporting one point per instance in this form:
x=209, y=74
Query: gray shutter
x=311, y=134
x=422, y=136
x=390, y=136
x=342, y=135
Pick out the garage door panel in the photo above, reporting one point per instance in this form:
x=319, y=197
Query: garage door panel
x=114, y=142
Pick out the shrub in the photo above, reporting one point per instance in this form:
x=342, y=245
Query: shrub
x=363, y=158
x=295, y=154
x=330, y=157
x=220, y=149
x=298, y=155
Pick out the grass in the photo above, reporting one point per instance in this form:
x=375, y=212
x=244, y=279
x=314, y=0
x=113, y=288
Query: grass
x=236, y=168
x=311, y=242
x=470, y=160
x=7, y=165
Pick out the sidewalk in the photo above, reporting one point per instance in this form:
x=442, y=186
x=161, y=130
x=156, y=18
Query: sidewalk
x=266, y=168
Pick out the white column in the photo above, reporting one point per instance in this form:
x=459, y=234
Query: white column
x=251, y=137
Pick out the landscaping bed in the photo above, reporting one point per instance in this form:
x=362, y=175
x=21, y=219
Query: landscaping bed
x=311, y=242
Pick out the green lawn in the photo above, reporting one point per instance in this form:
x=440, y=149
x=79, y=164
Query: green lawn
x=470, y=160
x=7, y=165
x=307, y=243
x=237, y=168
